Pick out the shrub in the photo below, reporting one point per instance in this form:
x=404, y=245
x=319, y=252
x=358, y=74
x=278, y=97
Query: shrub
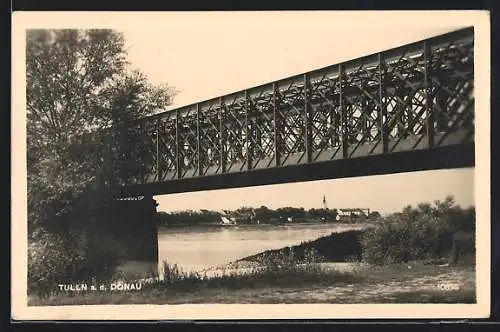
x=288, y=260
x=51, y=260
x=421, y=233
x=55, y=258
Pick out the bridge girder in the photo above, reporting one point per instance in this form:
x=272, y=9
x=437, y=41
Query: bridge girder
x=413, y=98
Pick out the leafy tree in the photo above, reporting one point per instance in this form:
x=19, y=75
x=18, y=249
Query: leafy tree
x=263, y=213
x=374, y=215
x=322, y=213
x=79, y=88
x=188, y=217
x=79, y=83
x=244, y=210
x=286, y=212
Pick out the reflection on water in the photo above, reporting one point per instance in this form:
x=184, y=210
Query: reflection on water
x=197, y=248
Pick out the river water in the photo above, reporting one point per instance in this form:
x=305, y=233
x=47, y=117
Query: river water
x=202, y=247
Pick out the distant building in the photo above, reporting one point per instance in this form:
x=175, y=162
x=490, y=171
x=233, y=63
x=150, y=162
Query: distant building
x=227, y=221
x=234, y=217
x=352, y=214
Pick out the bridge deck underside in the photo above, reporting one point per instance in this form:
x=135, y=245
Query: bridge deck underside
x=453, y=156
x=415, y=97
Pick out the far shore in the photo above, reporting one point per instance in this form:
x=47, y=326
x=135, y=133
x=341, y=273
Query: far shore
x=235, y=226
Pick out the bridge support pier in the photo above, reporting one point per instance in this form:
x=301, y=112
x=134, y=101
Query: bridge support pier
x=126, y=229
x=136, y=233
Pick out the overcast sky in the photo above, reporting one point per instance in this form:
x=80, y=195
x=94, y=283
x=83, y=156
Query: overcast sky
x=205, y=55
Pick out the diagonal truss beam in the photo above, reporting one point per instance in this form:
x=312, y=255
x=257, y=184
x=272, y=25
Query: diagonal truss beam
x=343, y=111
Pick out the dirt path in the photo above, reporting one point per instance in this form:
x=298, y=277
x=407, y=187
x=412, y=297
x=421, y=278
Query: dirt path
x=399, y=284
x=414, y=289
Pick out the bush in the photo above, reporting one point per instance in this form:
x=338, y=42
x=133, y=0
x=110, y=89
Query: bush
x=288, y=260
x=399, y=239
x=61, y=259
x=51, y=260
x=422, y=233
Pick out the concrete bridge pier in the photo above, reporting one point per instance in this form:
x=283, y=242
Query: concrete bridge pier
x=122, y=228
x=136, y=233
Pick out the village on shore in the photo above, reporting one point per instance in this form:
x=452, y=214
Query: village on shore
x=266, y=216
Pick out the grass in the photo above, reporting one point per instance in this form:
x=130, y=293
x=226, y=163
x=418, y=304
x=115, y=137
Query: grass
x=259, y=280
x=336, y=247
x=307, y=283
x=227, y=289
x=295, y=275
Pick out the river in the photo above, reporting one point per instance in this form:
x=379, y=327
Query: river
x=201, y=247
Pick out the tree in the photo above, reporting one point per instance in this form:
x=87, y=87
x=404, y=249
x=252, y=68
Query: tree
x=319, y=213
x=78, y=84
x=79, y=88
x=263, y=213
x=285, y=212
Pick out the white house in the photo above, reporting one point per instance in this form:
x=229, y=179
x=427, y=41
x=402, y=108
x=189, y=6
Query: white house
x=351, y=213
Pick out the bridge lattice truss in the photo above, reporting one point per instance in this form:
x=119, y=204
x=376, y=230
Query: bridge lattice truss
x=417, y=96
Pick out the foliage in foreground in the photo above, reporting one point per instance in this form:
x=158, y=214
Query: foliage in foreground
x=78, y=83
x=284, y=268
x=55, y=259
x=361, y=287
x=279, y=269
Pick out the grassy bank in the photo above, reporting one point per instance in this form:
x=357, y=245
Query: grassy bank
x=336, y=247
x=396, y=283
x=403, y=258
x=353, y=246
x=297, y=274
x=283, y=276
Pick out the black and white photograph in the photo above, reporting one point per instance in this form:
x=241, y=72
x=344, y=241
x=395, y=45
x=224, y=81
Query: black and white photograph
x=264, y=164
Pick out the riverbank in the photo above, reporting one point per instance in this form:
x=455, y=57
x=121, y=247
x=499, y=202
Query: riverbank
x=325, y=270
x=328, y=282
x=310, y=222
x=414, y=282
x=336, y=247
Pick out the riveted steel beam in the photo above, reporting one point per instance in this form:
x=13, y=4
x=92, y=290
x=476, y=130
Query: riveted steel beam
x=383, y=103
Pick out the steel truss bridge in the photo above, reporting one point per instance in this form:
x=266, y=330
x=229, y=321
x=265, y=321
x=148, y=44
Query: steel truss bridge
x=403, y=109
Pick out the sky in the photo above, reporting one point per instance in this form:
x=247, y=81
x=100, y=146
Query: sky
x=205, y=55
x=383, y=193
